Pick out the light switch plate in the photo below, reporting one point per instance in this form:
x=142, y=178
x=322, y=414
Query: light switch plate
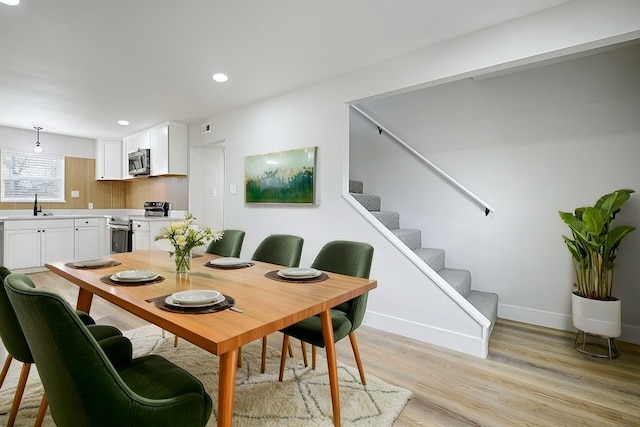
x=75, y=193
x=233, y=189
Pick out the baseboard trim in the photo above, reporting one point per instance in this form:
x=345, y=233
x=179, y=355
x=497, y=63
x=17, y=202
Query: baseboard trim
x=444, y=338
x=630, y=333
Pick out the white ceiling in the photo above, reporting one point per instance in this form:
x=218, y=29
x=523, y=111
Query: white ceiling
x=75, y=67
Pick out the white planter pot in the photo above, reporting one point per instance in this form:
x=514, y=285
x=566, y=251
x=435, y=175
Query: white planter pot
x=597, y=317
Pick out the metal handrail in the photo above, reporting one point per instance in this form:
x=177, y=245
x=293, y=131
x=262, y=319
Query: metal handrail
x=475, y=199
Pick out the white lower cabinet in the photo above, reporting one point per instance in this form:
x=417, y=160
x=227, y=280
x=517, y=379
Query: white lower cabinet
x=86, y=239
x=140, y=235
x=33, y=243
x=145, y=232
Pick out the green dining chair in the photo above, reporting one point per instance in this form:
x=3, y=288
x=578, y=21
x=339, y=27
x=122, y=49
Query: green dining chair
x=342, y=257
x=17, y=348
x=91, y=390
x=229, y=245
x=281, y=249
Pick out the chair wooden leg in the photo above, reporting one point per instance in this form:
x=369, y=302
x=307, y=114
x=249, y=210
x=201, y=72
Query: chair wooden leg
x=5, y=369
x=283, y=355
x=356, y=354
x=175, y=341
x=304, y=353
x=313, y=357
x=263, y=362
x=290, y=350
x=239, y=363
x=22, y=382
x=42, y=411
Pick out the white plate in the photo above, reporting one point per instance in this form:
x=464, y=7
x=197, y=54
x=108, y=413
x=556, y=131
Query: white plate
x=170, y=301
x=93, y=263
x=229, y=261
x=136, y=275
x=299, y=273
x=195, y=297
x=115, y=278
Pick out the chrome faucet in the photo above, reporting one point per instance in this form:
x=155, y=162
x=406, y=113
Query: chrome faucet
x=35, y=206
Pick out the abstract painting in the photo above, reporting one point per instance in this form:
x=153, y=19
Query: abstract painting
x=281, y=177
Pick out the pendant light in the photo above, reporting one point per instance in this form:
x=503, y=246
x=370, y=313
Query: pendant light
x=38, y=148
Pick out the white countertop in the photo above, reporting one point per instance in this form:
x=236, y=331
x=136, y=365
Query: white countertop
x=45, y=217
x=153, y=218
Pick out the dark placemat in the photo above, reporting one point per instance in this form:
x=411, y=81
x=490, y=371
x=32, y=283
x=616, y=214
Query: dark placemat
x=91, y=267
x=273, y=275
x=161, y=304
x=107, y=279
x=230, y=267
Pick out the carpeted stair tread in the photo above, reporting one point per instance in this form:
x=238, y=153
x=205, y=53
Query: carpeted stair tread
x=459, y=279
x=434, y=257
x=486, y=303
x=356, y=186
x=410, y=237
x=391, y=220
x=371, y=203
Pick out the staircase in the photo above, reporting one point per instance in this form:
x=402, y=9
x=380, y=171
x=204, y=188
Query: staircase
x=485, y=302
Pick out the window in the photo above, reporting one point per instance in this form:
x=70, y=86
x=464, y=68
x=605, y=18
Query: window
x=24, y=175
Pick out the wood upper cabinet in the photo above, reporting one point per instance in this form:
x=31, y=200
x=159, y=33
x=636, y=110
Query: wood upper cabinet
x=168, y=143
x=108, y=159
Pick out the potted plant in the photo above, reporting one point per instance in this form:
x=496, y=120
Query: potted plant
x=594, y=248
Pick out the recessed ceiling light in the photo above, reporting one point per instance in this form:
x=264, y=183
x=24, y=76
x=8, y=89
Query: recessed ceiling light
x=123, y=123
x=10, y=2
x=220, y=78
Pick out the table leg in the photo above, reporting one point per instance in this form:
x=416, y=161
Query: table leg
x=226, y=386
x=332, y=365
x=84, y=300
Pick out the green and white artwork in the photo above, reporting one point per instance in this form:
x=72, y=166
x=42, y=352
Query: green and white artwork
x=282, y=177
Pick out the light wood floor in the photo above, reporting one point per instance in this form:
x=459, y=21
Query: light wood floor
x=532, y=377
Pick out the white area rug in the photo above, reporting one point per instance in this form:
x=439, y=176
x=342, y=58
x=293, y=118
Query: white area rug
x=302, y=399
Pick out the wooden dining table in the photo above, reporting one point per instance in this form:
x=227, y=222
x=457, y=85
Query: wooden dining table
x=267, y=305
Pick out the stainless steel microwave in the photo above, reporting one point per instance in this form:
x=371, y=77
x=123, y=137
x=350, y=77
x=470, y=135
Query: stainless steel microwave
x=140, y=162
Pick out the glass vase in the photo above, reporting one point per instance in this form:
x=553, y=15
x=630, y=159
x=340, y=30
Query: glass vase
x=183, y=263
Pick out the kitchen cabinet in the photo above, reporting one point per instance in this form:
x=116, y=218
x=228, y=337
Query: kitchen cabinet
x=32, y=243
x=146, y=230
x=168, y=148
x=140, y=235
x=108, y=159
x=168, y=143
x=86, y=239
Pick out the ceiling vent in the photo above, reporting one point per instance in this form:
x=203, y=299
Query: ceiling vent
x=206, y=128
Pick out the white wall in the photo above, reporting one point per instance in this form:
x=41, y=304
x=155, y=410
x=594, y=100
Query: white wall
x=318, y=116
x=206, y=174
x=23, y=140
x=530, y=144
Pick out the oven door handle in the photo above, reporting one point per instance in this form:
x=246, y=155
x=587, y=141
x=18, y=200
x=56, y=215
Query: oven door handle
x=119, y=227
